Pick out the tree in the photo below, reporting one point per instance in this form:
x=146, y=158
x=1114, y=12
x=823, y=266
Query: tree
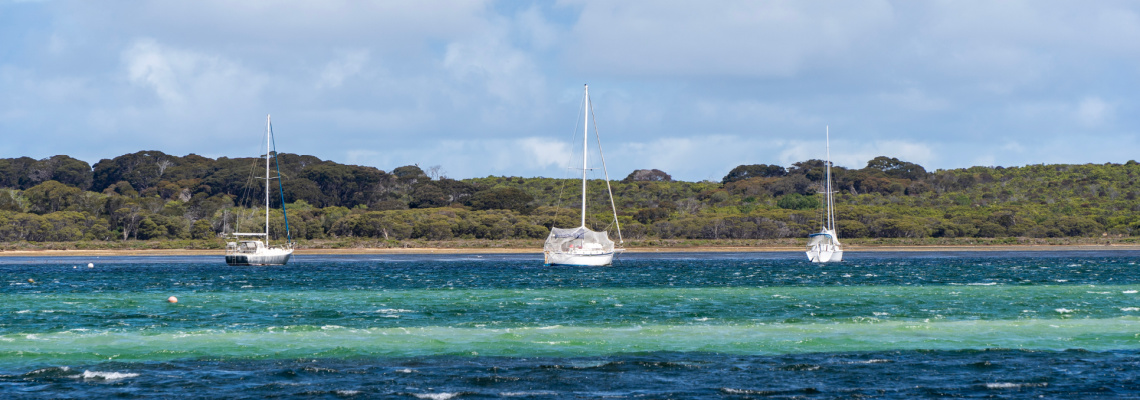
x=648, y=175
x=51, y=196
x=895, y=168
x=410, y=174
x=428, y=195
x=743, y=172
x=796, y=201
x=504, y=198
x=201, y=230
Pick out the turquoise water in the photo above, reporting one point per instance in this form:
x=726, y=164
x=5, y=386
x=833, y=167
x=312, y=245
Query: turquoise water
x=76, y=331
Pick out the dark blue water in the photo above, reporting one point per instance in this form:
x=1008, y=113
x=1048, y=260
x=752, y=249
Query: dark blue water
x=743, y=325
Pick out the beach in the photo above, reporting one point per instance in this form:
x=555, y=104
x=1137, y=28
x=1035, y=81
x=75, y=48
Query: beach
x=520, y=250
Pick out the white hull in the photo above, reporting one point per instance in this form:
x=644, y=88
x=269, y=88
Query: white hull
x=600, y=259
x=818, y=255
x=274, y=256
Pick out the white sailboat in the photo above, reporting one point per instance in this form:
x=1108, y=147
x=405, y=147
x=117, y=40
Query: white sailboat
x=824, y=246
x=582, y=246
x=255, y=251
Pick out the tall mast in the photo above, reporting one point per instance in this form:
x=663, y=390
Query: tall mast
x=830, y=203
x=585, y=142
x=268, y=131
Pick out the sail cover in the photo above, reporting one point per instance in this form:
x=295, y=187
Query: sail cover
x=824, y=238
x=578, y=240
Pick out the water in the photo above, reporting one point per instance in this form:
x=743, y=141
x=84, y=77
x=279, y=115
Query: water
x=743, y=325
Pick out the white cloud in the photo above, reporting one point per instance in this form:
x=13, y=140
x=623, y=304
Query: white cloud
x=735, y=38
x=336, y=71
x=1092, y=111
x=188, y=81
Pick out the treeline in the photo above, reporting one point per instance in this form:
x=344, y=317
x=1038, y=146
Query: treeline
x=150, y=195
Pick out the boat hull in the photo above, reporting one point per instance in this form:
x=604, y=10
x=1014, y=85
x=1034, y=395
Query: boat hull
x=822, y=255
x=579, y=259
x=269, y=258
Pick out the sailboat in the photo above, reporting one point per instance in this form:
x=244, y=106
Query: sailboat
x=254, y=251
x=824, y=246
x=582, y=246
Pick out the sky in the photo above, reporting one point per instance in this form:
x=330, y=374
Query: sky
x=478, y=88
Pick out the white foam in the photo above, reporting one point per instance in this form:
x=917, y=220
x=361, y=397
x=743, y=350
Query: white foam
x=405, y=371
x=107, y=376
x=1129, y=308
x=527, y=394
x=1011, y=385
x=393, y=310
x=1063, y=310
x=347, y=392
x=435, y=396
x=23, y=311
x=982, y=284
x=1129, y=291
x=880, y=314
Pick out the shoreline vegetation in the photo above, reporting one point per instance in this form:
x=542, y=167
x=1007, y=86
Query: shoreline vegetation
x=152, y=201
x=362, y=246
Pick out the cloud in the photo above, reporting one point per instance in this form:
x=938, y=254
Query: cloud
x=336, y=71
x=733, y=38
x=490, y=87
x=1092, y=111
x=183, y=78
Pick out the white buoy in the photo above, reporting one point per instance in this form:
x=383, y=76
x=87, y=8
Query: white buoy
x=172, y=299
x=90, y=265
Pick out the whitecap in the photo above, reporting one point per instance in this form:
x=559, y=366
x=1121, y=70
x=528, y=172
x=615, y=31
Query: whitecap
x=982, y=284
x=1129, y=291
x=549, y=327
x=1060, y=280
x=405, y=371
x=1129, y=308
x=392, y=310
x=527, y=394
x=1063, y=310
x=23, y=311
x=435, y=396
x=107, y=376
x=1011, y=385
x=880, y=314
x=347, y=392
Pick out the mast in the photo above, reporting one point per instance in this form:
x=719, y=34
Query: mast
x=830, y=202
x=585, y=142
x=268, y=129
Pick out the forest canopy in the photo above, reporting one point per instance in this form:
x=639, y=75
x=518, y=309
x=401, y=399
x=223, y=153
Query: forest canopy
x=150, y=195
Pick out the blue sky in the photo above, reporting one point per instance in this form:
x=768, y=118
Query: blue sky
x=494, y=88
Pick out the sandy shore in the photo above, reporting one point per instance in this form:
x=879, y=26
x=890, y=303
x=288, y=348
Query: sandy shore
x=425, y=250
